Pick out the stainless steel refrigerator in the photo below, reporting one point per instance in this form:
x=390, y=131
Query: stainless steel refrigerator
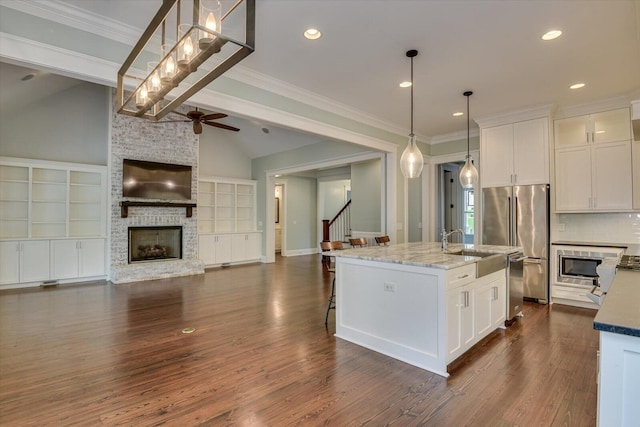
x=519, y=216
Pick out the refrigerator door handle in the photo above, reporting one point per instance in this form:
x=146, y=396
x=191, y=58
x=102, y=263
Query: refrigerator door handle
x=532, y=260
x=509, y=236
x=514, y=238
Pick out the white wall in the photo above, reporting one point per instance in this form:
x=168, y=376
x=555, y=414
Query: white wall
x=220, y=155
x=301, y=214
x=366, y=196
x=69, y=126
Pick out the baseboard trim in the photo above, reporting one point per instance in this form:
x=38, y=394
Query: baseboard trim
x=298, y=252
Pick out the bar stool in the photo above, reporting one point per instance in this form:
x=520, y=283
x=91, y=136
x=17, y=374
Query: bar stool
x=359, y=242
x=332, y=246
x=383, y=240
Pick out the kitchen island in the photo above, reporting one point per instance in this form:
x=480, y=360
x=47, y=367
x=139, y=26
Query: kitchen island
x=618, y=321
x=416, y=303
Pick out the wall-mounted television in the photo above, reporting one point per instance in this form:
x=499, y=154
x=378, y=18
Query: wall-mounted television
x=151, y=180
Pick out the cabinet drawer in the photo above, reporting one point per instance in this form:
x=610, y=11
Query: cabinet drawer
x=461, y=276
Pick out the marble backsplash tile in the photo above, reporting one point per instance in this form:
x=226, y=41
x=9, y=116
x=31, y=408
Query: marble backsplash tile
x=597, y=227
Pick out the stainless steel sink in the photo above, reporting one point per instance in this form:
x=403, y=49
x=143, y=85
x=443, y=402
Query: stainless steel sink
x=488, y=263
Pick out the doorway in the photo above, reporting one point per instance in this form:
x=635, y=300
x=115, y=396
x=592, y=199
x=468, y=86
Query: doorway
x=279, y=217
x=456, y=204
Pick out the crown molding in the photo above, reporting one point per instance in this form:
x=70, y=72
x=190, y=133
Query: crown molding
x=454, y=136
x=75, y=17
x=84, y=20
x=594, y=107
x=516, y=116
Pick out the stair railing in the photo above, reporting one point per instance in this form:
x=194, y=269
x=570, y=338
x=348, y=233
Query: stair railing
x=339, y=227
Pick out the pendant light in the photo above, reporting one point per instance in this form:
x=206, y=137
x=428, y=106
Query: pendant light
x=411, y=162
x=468, y=173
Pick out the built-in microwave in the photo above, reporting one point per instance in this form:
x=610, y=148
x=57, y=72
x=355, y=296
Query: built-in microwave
x=577, y=266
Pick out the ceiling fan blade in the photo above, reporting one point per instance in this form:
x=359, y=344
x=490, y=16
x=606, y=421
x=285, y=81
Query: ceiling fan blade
x=173, y=121
x=220, y=125
x=213, y=116
x=197, y=128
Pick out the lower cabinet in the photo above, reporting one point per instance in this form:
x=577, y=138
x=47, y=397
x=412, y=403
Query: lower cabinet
x=474, y=310
x=216, y=249
x=77, y=258
x=26, y=261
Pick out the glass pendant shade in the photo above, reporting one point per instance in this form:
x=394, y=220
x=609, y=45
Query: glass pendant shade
x=411, y=162
x=468, y=174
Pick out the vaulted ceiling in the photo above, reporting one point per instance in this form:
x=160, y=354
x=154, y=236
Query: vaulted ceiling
x=491, y=47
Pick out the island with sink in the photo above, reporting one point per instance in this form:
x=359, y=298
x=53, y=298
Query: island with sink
x=420, y=304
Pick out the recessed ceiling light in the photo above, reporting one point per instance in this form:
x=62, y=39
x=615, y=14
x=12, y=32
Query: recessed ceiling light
x=576, y=86
x=405, y=84
x=312, y=34
x=550, y=35
x=458, y=114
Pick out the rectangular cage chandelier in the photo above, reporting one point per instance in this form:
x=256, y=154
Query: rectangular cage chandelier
x=175, y=57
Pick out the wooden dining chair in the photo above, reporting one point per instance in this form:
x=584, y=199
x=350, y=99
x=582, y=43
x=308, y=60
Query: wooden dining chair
x=383, y=240
x=331, y=246
x=359, y=242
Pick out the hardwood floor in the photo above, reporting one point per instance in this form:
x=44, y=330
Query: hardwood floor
x=260, y=356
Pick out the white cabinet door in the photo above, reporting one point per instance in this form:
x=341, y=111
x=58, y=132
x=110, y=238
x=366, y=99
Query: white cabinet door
x=610, y=126
x=34, y=261
x=238, y=247
x=483, y=319
x=9, y=262
x=223, y=248
x=207, y=248
x=254, y=246
x=636, y=174
x=467, y=317
x=573, y=179
x=499, y=302
x=64, y=259
x=531, y=152
x=572, y=131
x=611, y=186
x=496, y=156
x=91, y=257
x=454, y=321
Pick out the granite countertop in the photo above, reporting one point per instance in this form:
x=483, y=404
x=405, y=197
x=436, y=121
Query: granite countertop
x=620, y=310
x=423, y=254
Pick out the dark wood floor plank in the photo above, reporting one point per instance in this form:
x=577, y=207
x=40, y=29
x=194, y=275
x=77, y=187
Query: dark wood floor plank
x=115, y=355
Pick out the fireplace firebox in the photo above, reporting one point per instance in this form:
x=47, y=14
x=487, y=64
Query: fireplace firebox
x=155, y=243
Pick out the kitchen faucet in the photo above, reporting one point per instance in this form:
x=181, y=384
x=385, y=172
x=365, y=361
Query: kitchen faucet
x=446, y=235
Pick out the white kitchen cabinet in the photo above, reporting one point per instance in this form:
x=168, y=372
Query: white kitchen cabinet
x=245, y=247
x=77, y=258
x=474, y=310
x=607, y=126
x=636, y=174
x=594, y=177
x=515, y=153
x=24, y=261
x=593, y=166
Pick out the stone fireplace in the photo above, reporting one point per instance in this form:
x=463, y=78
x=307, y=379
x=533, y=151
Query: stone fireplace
x=174, y=143
x=154, y=243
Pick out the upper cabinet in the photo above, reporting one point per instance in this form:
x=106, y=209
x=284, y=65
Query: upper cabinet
x=515, y=153
x=41, y=199
x=226, y=206
x=593, y=167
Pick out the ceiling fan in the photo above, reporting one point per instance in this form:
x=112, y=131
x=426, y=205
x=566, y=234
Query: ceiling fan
x=198, y=118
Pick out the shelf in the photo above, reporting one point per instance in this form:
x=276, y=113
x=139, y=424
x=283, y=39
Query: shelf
x=48, y=222
x=50, y=182
x=15, y=180
x=124, y=206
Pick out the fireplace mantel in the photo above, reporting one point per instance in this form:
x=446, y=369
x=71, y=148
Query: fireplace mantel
x=124, y=206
